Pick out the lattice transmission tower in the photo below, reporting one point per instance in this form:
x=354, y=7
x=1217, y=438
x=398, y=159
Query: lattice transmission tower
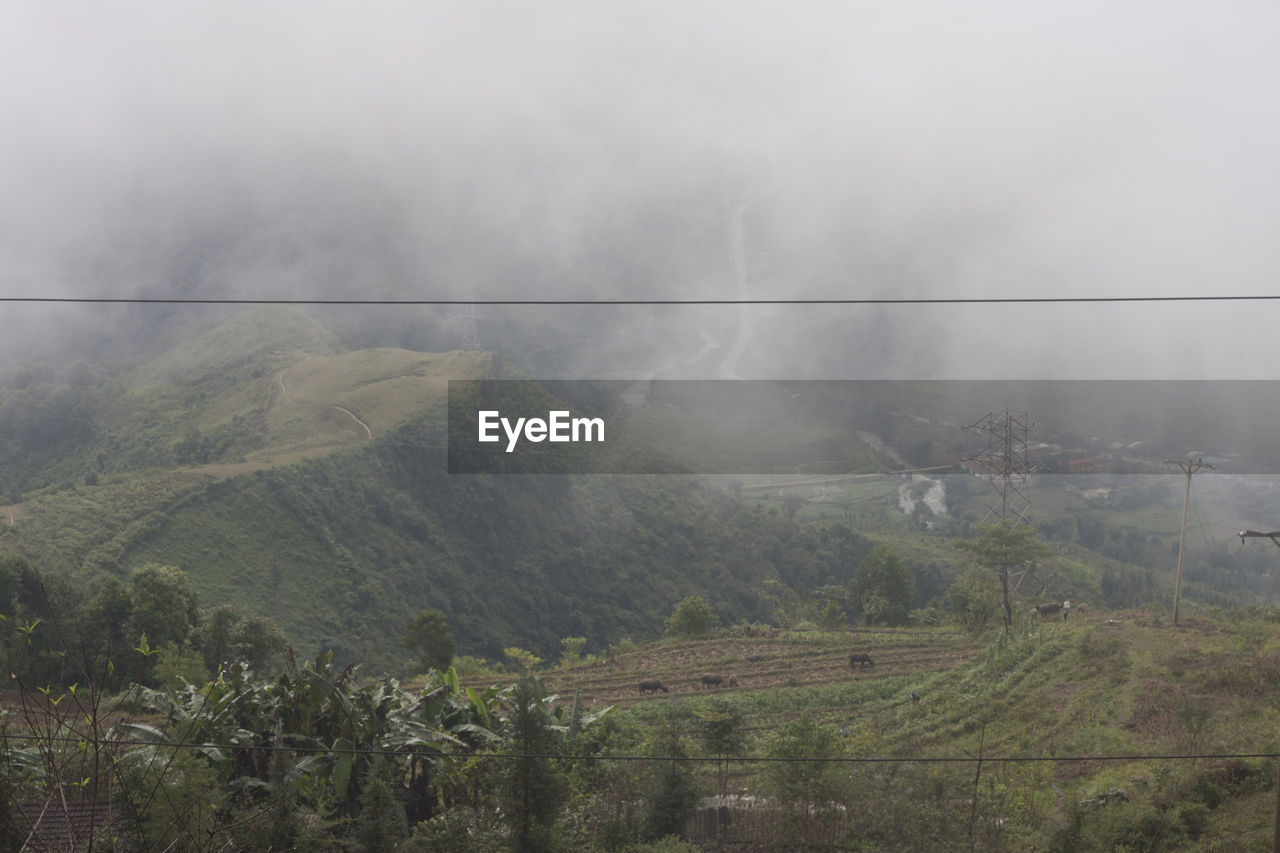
x=1006, y=466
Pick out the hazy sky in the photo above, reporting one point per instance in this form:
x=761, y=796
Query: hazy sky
x=921, y=149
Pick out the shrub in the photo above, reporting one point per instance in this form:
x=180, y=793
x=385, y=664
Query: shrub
x=1238, y=776
x=1194, y=818
x=691, y=618
x=526, y=659
x=1106, y=823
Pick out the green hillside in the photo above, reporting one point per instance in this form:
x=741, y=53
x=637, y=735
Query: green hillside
x=1112, y=728
x=291, y=479
x=341, y=551
x=313, y=489
x=309, y=484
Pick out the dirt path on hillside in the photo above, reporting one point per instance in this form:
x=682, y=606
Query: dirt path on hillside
x=284, y=389
x=368, y=432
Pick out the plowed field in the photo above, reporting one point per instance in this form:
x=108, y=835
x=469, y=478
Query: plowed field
x=784, y=659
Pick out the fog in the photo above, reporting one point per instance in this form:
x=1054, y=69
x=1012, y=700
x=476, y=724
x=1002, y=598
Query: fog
x=603, y=151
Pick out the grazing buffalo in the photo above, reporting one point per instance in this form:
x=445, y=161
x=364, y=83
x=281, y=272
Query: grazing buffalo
x=711, y=679
x=860, y=659
x=1046, y=609
x=651, y=685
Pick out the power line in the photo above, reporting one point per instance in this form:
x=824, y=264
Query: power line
x=958, y=300
x=690, y=759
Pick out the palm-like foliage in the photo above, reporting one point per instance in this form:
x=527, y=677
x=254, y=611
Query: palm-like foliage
x=315, y=734
x=308, y=746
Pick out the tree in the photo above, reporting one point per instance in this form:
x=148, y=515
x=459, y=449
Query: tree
x=803, y=778
x=523, y=658
x=381, y=823
x=785, y=605
x=720, y=728
x=164, y=605
x=215, y=639
x=1006, y=547
x=430, y=636
x=108, y=615
x=975, y=598
x=260, y=643
x=572, y=647
x=533, y=787
x=832, y=617
x=883, y=587
x=177, y=664
x=690, y=619
x=673, y=796
x=173, y=797
x=226, y=637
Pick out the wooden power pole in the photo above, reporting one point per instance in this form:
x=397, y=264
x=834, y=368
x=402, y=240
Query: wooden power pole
x=1188, y=467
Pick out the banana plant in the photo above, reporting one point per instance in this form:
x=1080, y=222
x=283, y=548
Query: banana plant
x=330, y=730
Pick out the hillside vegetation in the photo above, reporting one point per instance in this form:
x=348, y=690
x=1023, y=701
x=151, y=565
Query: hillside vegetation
x=1112, y=730
x=262, y=496
x=313, y=489
x=308, y=484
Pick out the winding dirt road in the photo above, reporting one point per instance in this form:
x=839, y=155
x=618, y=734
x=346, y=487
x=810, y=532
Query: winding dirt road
x=284, y=389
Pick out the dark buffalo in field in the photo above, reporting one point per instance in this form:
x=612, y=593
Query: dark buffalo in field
x=652, y=685
x=711, y=679
x=1047, y=609
x=860, y=659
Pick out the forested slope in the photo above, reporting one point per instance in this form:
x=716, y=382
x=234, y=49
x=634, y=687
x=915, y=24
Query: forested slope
x=309, y=484
x=342, y=550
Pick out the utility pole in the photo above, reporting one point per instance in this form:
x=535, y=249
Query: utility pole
x=1188, y=467
x=1274, y=536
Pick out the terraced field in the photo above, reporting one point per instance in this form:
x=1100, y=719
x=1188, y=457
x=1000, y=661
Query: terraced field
x=779, y=660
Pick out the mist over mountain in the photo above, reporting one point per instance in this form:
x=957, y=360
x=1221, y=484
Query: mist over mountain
x=640, y=151
x=901, y=157
x=246, y=248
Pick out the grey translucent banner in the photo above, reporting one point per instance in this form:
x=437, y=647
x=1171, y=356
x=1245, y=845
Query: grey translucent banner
x=831, y=427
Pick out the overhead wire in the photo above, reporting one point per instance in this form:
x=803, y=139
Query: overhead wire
x=688, y=759
x=942, y=300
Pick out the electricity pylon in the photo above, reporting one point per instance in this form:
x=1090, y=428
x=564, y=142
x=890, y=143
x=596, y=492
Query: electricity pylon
x=1006, y=465
x=1008, y=469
